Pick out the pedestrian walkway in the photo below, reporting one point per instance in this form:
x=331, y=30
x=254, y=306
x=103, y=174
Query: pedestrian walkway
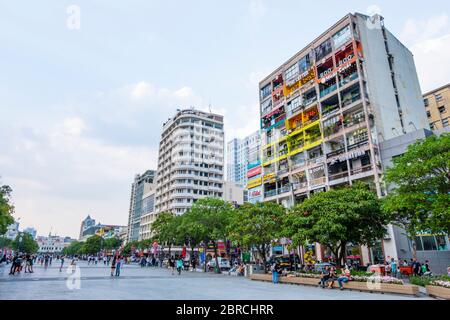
x=156, y=283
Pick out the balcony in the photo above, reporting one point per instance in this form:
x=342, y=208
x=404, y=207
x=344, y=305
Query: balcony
x=317, y=181
x=335, y=153
x=361, y=170
x=338, y=176
x=270, y=193
x=348, y=79
x=299, y=185
x=357, y=145
x=284, y=189
x=328, y=90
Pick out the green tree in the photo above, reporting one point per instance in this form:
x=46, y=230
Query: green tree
x=419, y=183
x=93, y=245
x=165, y=229
x=127, y=248
x=112, y=243
x=5, y=242
x=189, y=232
x=336, y=218
x=257, y=226
x=6, y=209
x=74, y=248
x=25, y=243
x=211, y=217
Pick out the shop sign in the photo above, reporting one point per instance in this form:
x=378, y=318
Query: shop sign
x=253, y=172
x=349, y=156
x=254, y=183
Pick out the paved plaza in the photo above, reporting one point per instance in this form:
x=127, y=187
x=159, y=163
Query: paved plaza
x=137, y=283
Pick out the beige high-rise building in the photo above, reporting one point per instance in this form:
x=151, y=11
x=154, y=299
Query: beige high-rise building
x=191, y=160
x=437, y=105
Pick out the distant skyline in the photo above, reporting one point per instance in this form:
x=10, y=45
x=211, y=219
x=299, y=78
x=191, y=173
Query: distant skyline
x=81, y=111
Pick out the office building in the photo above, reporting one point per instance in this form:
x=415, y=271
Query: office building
x=141, y=182
x=240, y=153
x=148, y=215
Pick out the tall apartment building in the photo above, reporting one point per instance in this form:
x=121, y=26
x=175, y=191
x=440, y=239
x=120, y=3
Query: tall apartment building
x=241, y=153
x=325, y=111
x=148, y=214
x=437, y=106
x=140, y=184
x=191, y=160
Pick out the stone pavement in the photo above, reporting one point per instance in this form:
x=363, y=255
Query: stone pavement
x=135, y=283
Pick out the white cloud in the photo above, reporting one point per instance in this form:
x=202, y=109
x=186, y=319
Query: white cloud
x=429, y=41
x=74, y=126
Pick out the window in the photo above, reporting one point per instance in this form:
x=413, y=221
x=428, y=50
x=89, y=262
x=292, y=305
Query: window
x=426, y=102
x=429, y=243
x=445, y=122
x=323, y=50
x=265, y=91
x=438, y=97
x=305, y=63
x=441, y=109
x=292, y=72
x=428, y=114
x=341, y=37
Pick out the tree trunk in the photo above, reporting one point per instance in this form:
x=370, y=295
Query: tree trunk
x=170, y=247
x=414, y=245
x=216, y=258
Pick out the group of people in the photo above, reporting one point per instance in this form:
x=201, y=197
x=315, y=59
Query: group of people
x=20, y=262
x=151, y=262
x=329, y=276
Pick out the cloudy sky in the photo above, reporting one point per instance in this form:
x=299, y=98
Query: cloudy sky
x=81, y=110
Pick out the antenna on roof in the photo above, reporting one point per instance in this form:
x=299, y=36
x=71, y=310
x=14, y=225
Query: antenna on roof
x=209, y=106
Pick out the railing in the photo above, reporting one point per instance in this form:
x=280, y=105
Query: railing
x=296, y=165
x=361, y=170
x=353, y=98
x=310, y=101
x=338, y=176
x=270, y=193
x=357, y=145
x=336, y=152
x=353, y=122
x=311, y=120
x=284, y=189
x=349, y=79
x=328, y=90
x=283, y=171
x=318, y=181
x=299, y=185
x=332, y=129
x=330, y=109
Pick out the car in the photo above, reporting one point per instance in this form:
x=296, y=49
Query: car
x=224, y=263
x=285, y=262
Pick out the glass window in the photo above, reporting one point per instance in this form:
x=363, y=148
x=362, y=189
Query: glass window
x=341, y=37
x=323, y=50
x=442, y=109
x=419, y=245
x=292, y=72
x=427, y=103
x=441, y=243
x=438, y=97
x=305, y=63
x=265, y=91
x=445, y=122
x=429, y=243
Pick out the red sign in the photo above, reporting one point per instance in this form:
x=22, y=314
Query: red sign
x=253, y=172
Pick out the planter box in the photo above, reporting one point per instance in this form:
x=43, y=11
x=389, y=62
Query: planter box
x=439, y=292
x=352, y=285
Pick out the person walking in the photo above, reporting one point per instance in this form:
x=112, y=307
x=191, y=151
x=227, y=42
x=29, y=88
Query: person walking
x=118, y=266
x=104, y=260
x=62, y=263
x=113, y=265
x=274, y=268
x=393, y=268
x=171, y=265
x=179, y=265
x=13, y=264
x=46, y=259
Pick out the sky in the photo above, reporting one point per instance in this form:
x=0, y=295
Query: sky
x=82, y=101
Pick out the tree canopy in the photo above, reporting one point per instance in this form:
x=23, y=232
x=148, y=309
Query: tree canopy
x=25, y=243
x=6, y=209
x=257, y=225
x=336, y=218
x=420, y=187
